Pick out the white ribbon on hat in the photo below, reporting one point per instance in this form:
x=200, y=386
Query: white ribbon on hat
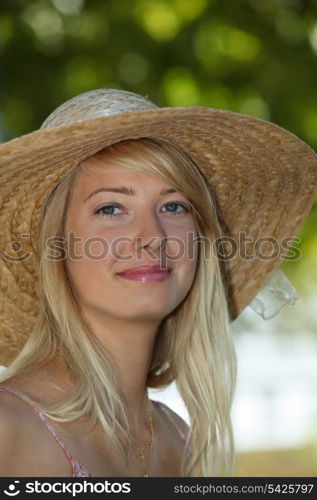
x=276, y=293
x=96, y=103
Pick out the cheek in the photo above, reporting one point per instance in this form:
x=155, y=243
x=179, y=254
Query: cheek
x=190, y=266
x=90, y=271
x=96, y=249
x=181, y=247
x=89, y=241
x=183, y=252
x=91, y=260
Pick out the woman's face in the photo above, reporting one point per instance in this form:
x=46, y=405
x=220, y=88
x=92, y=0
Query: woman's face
x=116, y=231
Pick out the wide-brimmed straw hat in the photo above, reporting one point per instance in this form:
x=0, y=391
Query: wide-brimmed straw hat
x=264, y=180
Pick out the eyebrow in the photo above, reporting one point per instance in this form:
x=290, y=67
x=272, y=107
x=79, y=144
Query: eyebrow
x=126, y=190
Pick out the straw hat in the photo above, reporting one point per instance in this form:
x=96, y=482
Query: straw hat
x=264, y=179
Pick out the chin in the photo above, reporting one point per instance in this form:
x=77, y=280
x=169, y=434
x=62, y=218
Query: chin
x=147, y=313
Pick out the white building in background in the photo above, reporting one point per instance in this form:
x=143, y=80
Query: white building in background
x=275, y=405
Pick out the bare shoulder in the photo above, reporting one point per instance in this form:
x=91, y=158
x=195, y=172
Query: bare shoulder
x=181, y=423
x=10, y=434
x=10, y=414
x=27, y=447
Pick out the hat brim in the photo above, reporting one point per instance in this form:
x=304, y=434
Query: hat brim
x=264, y=179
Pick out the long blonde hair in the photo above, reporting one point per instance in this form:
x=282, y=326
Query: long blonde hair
x=193, y=345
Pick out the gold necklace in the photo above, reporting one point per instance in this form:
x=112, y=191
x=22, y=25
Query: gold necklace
x=140, y=455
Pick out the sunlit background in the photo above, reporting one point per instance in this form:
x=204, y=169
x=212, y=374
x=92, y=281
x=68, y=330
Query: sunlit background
x=257, y=57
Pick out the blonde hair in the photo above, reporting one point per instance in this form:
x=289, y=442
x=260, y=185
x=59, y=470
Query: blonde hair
x=193, y=345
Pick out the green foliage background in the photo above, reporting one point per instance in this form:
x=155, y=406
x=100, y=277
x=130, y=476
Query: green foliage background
x=257, y=57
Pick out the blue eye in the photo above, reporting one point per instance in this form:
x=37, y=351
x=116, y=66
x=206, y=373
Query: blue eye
x=175, y=205
x=106, y=214
x=110, y=207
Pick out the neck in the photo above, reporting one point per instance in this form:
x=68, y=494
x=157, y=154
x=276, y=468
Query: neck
x=130, y=346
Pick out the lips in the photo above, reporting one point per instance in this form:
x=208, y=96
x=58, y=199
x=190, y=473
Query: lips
x=146, y=274
x=145, y=270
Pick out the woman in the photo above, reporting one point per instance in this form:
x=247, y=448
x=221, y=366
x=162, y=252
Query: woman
x=83, y=334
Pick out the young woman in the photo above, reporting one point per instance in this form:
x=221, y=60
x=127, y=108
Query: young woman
x=113, y=281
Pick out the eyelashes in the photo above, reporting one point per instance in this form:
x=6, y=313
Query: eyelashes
x=113, y=205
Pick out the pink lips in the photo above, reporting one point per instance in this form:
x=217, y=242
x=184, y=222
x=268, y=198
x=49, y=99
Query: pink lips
x=146, y=274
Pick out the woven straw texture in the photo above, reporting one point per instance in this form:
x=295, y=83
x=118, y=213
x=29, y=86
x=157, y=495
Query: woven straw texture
x=264, y=179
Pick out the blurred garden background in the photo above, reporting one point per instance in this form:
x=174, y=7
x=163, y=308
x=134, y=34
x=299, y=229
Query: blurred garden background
x=257, y=57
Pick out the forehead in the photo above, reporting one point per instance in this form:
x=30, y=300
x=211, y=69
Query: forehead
x=95, y=173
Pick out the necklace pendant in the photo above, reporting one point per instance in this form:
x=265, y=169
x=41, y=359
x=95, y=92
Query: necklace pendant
x=141, y=456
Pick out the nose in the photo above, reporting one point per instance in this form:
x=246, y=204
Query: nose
x=149, y=232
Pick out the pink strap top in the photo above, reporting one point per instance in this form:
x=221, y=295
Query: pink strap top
x=78, y=469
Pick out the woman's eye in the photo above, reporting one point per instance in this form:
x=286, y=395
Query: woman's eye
x=107, y=210
x=106, y=207
x=174, y=204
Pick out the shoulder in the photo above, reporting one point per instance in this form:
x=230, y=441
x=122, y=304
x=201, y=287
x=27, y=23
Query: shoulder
x=27, y=448
x=11, y=433
x=179, y=421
